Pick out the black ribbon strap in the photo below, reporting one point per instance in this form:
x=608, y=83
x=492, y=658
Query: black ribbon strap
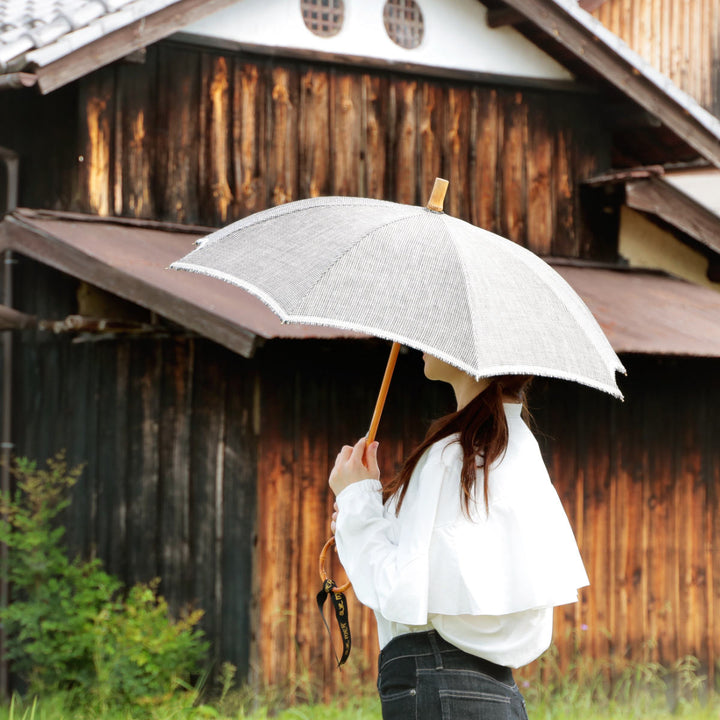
x=341, y=615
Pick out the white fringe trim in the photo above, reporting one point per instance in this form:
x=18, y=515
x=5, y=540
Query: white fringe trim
x=509, y=369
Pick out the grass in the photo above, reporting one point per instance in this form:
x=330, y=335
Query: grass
x=362, y=708
x=584, y=690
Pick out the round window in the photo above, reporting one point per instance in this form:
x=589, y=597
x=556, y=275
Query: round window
x=404, y=23
x=323, y=17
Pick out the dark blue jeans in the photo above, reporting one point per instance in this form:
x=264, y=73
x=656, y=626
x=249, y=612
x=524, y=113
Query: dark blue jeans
x=423, y=677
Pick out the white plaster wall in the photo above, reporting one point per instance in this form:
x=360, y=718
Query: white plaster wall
x=456, y=36
x=644, y=245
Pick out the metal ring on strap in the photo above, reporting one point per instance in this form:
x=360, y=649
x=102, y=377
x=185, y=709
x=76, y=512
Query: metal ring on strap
x=323, y=574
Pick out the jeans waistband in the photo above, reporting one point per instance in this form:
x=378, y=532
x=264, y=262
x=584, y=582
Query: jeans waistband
x=430, y=643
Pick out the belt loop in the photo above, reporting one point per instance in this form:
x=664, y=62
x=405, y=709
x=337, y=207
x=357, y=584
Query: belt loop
x=432, y=636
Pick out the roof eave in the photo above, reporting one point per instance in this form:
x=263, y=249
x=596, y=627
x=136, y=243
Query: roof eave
x=587, y=39
x=119, y=43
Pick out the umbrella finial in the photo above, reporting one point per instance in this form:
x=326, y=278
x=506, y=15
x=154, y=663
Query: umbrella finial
x=437, y=196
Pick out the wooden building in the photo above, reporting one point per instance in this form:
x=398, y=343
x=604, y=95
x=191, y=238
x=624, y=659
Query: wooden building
x=681, y=40
x=208, y=428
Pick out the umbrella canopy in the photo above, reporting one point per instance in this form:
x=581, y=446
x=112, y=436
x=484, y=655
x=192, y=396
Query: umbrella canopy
x=415, y=276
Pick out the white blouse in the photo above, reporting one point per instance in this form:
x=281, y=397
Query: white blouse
x=487, y=583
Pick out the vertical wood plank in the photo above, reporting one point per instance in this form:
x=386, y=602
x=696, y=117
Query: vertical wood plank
x=116, y=551
x=484, y=209
x=457, y=150
x=311, y=453
x=96, y=99
x=109, y=463
x=143, y=457
x=563, y=191
x=215, y=134
x=691, y=534
x=404, y=154
x=511, y=168
x=135, y=136
x=239, y=516
x=346, y=128
x=710, y=417
x=174, y=482
x=178, y=137
x=431, y=139
x=375, y=134
x=75, y=402
x=540, y=202
x=282, y=135
x=248, y=135
x=206, y=477
x=276, y=517
x=314, y=134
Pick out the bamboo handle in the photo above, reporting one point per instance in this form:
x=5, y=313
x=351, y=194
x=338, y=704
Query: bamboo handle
x=382, y=395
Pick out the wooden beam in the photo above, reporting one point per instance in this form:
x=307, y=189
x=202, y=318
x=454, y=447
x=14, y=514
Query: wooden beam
x=580, y=38
x=653, y=195
x=126, y=40
x=590, y=5
x=13, y=81
x=502, y=17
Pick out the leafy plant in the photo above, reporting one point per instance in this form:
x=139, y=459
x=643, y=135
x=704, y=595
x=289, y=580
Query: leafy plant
x=68, y=625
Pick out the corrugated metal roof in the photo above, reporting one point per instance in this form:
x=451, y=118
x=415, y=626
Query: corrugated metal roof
x=640, y=311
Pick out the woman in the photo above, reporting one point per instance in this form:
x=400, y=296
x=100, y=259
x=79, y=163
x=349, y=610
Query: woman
x=462, y=556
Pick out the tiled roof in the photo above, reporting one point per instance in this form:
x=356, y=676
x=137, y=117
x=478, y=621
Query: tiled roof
x=34, y=33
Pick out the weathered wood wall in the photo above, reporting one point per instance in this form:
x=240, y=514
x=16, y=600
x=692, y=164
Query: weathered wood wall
x=210, y=471
x=638, y=479
x=206, y=138
x=166, y=430
x=680, y=39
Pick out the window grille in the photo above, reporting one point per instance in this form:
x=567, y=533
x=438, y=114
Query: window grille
x=323, y=17
x=404, y=23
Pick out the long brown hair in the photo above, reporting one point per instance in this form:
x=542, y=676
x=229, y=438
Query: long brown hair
x=483, y=437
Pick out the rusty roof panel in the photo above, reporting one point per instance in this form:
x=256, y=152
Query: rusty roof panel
x=132, y=261
x=650, y=312
x=640, y=311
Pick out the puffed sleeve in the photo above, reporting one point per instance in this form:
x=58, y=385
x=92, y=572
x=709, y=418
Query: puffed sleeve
x=386, y=561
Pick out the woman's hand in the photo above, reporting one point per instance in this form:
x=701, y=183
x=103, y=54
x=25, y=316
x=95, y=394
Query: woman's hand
x=354, y=464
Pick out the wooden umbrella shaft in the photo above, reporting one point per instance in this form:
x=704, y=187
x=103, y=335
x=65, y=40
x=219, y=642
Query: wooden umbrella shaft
x=382, y=395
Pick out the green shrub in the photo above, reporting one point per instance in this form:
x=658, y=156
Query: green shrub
x=139, y=655
x=68, y=626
